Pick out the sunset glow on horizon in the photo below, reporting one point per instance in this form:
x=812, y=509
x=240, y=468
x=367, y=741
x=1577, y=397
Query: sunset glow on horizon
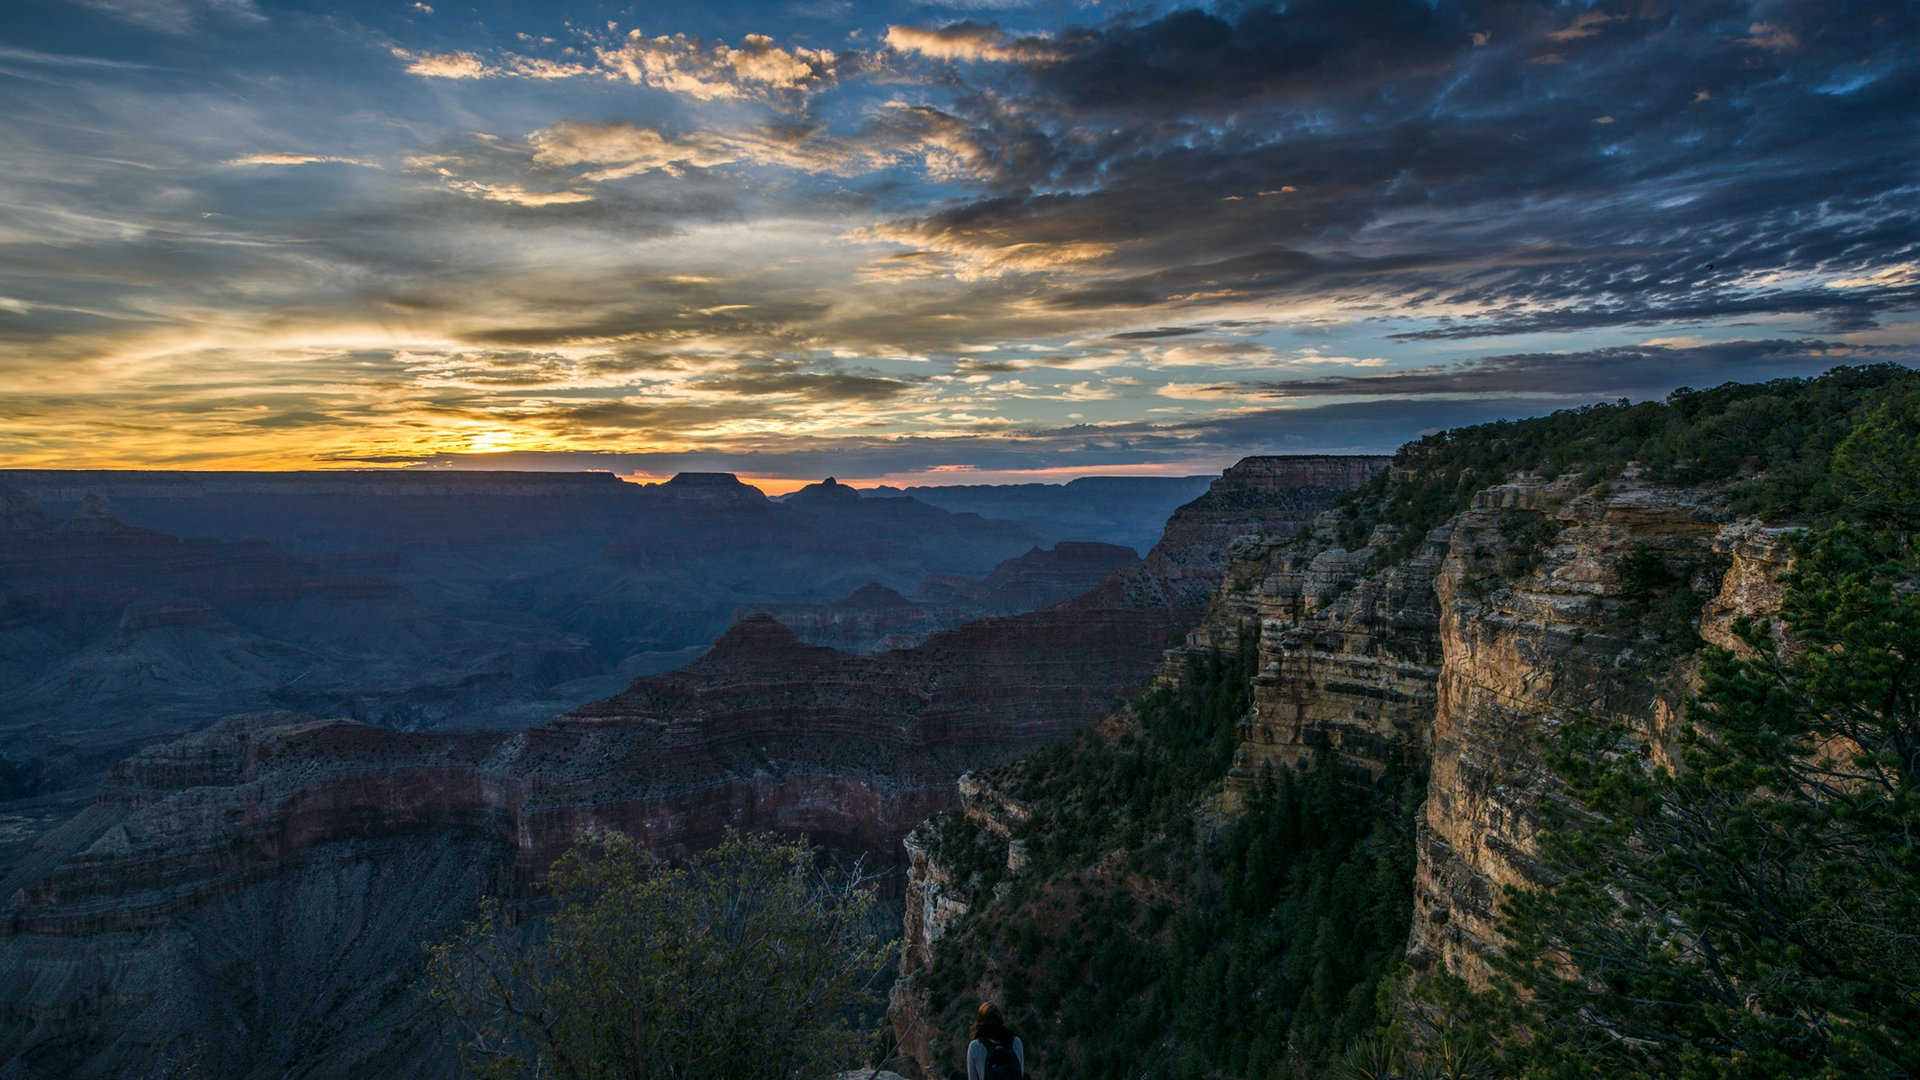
x=905, y=242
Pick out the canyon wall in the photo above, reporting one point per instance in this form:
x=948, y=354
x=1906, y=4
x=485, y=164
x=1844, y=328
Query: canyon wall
x=874, y=618
x=1522, y=611
x=1507, y=619
x=250, y=829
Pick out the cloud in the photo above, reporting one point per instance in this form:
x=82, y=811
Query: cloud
x=1212, y=208
x=622, y=149
x=517, y=195
x=453, y=65
x=1763, y=35
x=1195, y=59
x=757, y=68
x=1503, y=200
x=277, y=158
x=467, y=65
x=1586, y=25
x=177, y=16
x=973, y=42
x=1186, y=446
x=705, y=71
x=972, y=259
x=1646, y=370
x=10, y=54
x=813, y=386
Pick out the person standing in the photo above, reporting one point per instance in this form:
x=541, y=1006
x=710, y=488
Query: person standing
x=995, y=1053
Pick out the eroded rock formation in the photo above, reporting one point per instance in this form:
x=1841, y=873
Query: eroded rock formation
x=874, y=617
x=252, y=827
x=1518, y=613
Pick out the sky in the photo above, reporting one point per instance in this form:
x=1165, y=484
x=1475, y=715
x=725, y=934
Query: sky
x=979, y=240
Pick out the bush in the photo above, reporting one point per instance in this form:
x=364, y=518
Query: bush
x=743, y=963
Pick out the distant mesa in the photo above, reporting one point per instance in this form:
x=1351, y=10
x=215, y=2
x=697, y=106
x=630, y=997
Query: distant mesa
x=705, y=479
x=826, y=491
x=713, y=487
x=94, y=516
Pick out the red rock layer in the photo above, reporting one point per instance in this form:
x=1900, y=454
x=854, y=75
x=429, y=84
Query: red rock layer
x=762, y=732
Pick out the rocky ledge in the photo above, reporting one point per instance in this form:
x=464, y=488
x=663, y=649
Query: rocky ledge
x=1506, y=619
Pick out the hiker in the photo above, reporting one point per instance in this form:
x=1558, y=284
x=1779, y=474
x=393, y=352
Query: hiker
x=995, y=1053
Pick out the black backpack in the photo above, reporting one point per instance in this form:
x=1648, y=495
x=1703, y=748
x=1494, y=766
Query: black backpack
x=1002, y=1062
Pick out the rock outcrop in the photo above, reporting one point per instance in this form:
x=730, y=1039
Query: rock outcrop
x=1526, y=646
x=1293, y=488
x=936, y=898
x=874, y=617
x=1499, y=623
x=1518, y=613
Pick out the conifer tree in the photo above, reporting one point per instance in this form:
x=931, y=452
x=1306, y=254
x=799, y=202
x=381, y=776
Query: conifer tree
x=1754, y=913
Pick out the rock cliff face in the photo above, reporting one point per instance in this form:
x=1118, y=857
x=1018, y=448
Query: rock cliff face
x=1523, y=610
x=1508, y=618
x=936, y=899
x=1189, y=557
x=234, y=831
x=1347, y=658
x=1526, y=646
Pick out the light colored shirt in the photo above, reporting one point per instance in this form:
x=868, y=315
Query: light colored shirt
x=977, y=1058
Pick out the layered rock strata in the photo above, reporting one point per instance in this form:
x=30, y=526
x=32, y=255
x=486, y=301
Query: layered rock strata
x=1502, y=622
x=1293, y=489
x=1526, y=648
x=765, y=731
x=1513, y=616
x=874, y=618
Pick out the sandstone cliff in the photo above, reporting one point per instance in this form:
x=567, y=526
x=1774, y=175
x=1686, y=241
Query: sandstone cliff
x=1505, y=619
x=1509, y=616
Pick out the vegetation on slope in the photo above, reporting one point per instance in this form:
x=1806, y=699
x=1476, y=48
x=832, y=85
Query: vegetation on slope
x=743, y=963
x=1769, y=441
x=1153, y=936
x=1747, y=917
x=1752, y=913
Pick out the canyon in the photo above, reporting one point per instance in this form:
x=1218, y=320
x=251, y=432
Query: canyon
x=874, y=618
x=256, y=892
x=135, y=606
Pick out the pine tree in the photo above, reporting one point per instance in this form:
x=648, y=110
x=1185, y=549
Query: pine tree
x=1756, y=912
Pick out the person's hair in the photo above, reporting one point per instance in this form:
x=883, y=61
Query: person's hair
x=989, y=1024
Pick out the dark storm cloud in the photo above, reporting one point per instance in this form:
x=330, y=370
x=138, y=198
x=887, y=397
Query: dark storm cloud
x=1521, y=167
x=1639, y=370
x=1192, y=59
